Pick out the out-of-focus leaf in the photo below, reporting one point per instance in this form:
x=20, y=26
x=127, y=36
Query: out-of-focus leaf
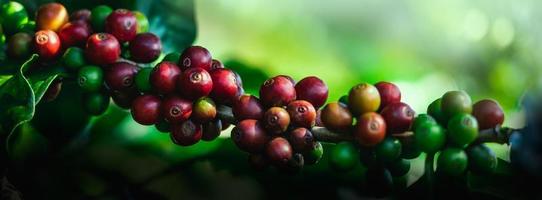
x=497, y=184
x=252, y=76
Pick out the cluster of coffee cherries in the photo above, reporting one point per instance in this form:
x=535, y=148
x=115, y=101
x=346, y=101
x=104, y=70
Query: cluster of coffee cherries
x=451, y=127
x=276, y=128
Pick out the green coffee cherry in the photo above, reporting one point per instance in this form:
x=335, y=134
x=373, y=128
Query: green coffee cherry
x=73, y=58
x=90, y=78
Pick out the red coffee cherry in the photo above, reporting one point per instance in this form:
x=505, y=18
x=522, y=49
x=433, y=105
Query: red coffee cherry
x=247, y=107
x=176, y=109
x=488, y=113
x=216, y=64
x=146, y=109
x=122, y=24
x=370, y=129
x=249, y=136
x=225, y=87
x=336, y=117
x=196, y=56
x=145, y=48
x=399, y=117
x=276, y=120
x=47, y=44
x=74, y=34
x=301, y=140
x=102, y=49
x=195, y=83
x=186, y=133
x=389, y=93
x=313, y=90
x=120, y=76
x=124, y=98
x=302, y=113
x=279, y=151
x=277, y=91
x=164, y=77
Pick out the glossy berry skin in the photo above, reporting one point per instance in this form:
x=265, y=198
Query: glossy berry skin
x=313, y=90
x=389, y=94
x=81, y=15
x=482, y=160
x=452, y=161
x=399, y=167
x=96, y=103
x=462, y=129
x=344, y=157
x=164, y=77
x=121, y=75
x=277, y=91
x=203, y=110
x=370, y=129
x=314, y=155
x=102, y=49
x=51, y=16
x=489, y=114
x=195, y=83
x=455, y=102
x=124, y=98
x=422, y=119
x=74, y=34
x=186, y=133
x=435, y=110
x=73, y=58
x=145, y=48
x=98, y=17
x=225, y=86
x=122, y=24
x=363, y=98
x=276, y=120
x=47, y=44
x=429, y=138
x=216, y=64
x=301, y=140
x=146, y=109
x=196, y=56
x=12, y=16
x=302, y=113
x=211, y=130
x=90, y=78
x=247, y=107
x=249, y=136
x=19, y=45
x=399, y=117
x=176, y=109
x=388, y=150
x=336, y=116
x=279, y=151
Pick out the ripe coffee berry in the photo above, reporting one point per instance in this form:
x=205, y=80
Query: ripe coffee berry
x=145, y=48
x=370, y=129
x=216, y=64
x=389, y=94
x=302, y=113
x=313, y=90
x=203, y=110
x=276, y=120
x=336, y=117
x=247, y=107
x=301, y=140
x=90, y=78
x=195, y=83
x=186, y=133
x=121, y=75
x=19, y=45
x=196, y=56
x=279, y=151
x=164, y=77
x=51, y=16
x=122, y=24
x=363, y=98
x=398, y=117
x=225, y=87
x=489, y=113
x=47, y=44
x=102, y=49
x=124, y=98
x=211, y=130
x=249, y=136
x=146, y=109
x=81, y=15
x=176, y=109
x=74, y=34
x=277, y=91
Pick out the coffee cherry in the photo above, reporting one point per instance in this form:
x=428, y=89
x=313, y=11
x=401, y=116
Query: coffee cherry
x=249, y=136
x=301, y=140
x=195, y=83
x=176, y=109
x=482, y=160
x=336, y=117
x=163, y=126
x=122, y=24
x=279, y=151
x=195, y=56
x=211, y=130
x=398, y=117
x=314, y=155
x=142, y=79
x=488, y=113
x=258, y=161
x=204, y=110
x=12, y=16
x=363, y=98
x=146, y=109
x=313, y=90
x=409, y=150
x=247, y=107
x=172, y=57
x=145, y=48
x=99, y=16
x=47, y=44
x=455, y=102
x=429, y=138
x=124, y=98
x=73, y=58
x=102, y=49
x=399, y=167
x=319, y=119
x=53, y=91
x=51, y=16
x=302, y=113
x=370, y=129
x=142, y=22
x=81, y=15
x=294, y=165
x=19, y=45
x=462, y=129
x=389, y=94
x=216, y=64
x=225, y=86
x=121, y=75
x=422, y=119
x=277, y=91
x=344, y=157
x=164, y=76
x=90, y=78
x=96, y=103
x=186, y=133
x=452, y=161
x=435, y=110
x=74, y=34
x=388, y=150
x=276, y=120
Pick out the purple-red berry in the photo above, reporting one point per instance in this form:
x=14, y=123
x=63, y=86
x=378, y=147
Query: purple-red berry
x=225, y=87
x=277, y=91
x=313, y=90
x=302, y=113
x=120, y=76
x=249, y=136
x=276, y=120
x=146, y=109
x=176, y=109
x=81, y=15
x=186, y=133
x=164, y=77
x=122, y=24
x=279, y=151
x=398, y=117
x=301, y=139
x=370, y=129
x=216, y=64
x=247, y=107
x=145, y=48
x=196, y=56
x=195, y=83
x=124, y=98
x=74, y=34
x=389, y=93
x=102, y=49
x=488, y=113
